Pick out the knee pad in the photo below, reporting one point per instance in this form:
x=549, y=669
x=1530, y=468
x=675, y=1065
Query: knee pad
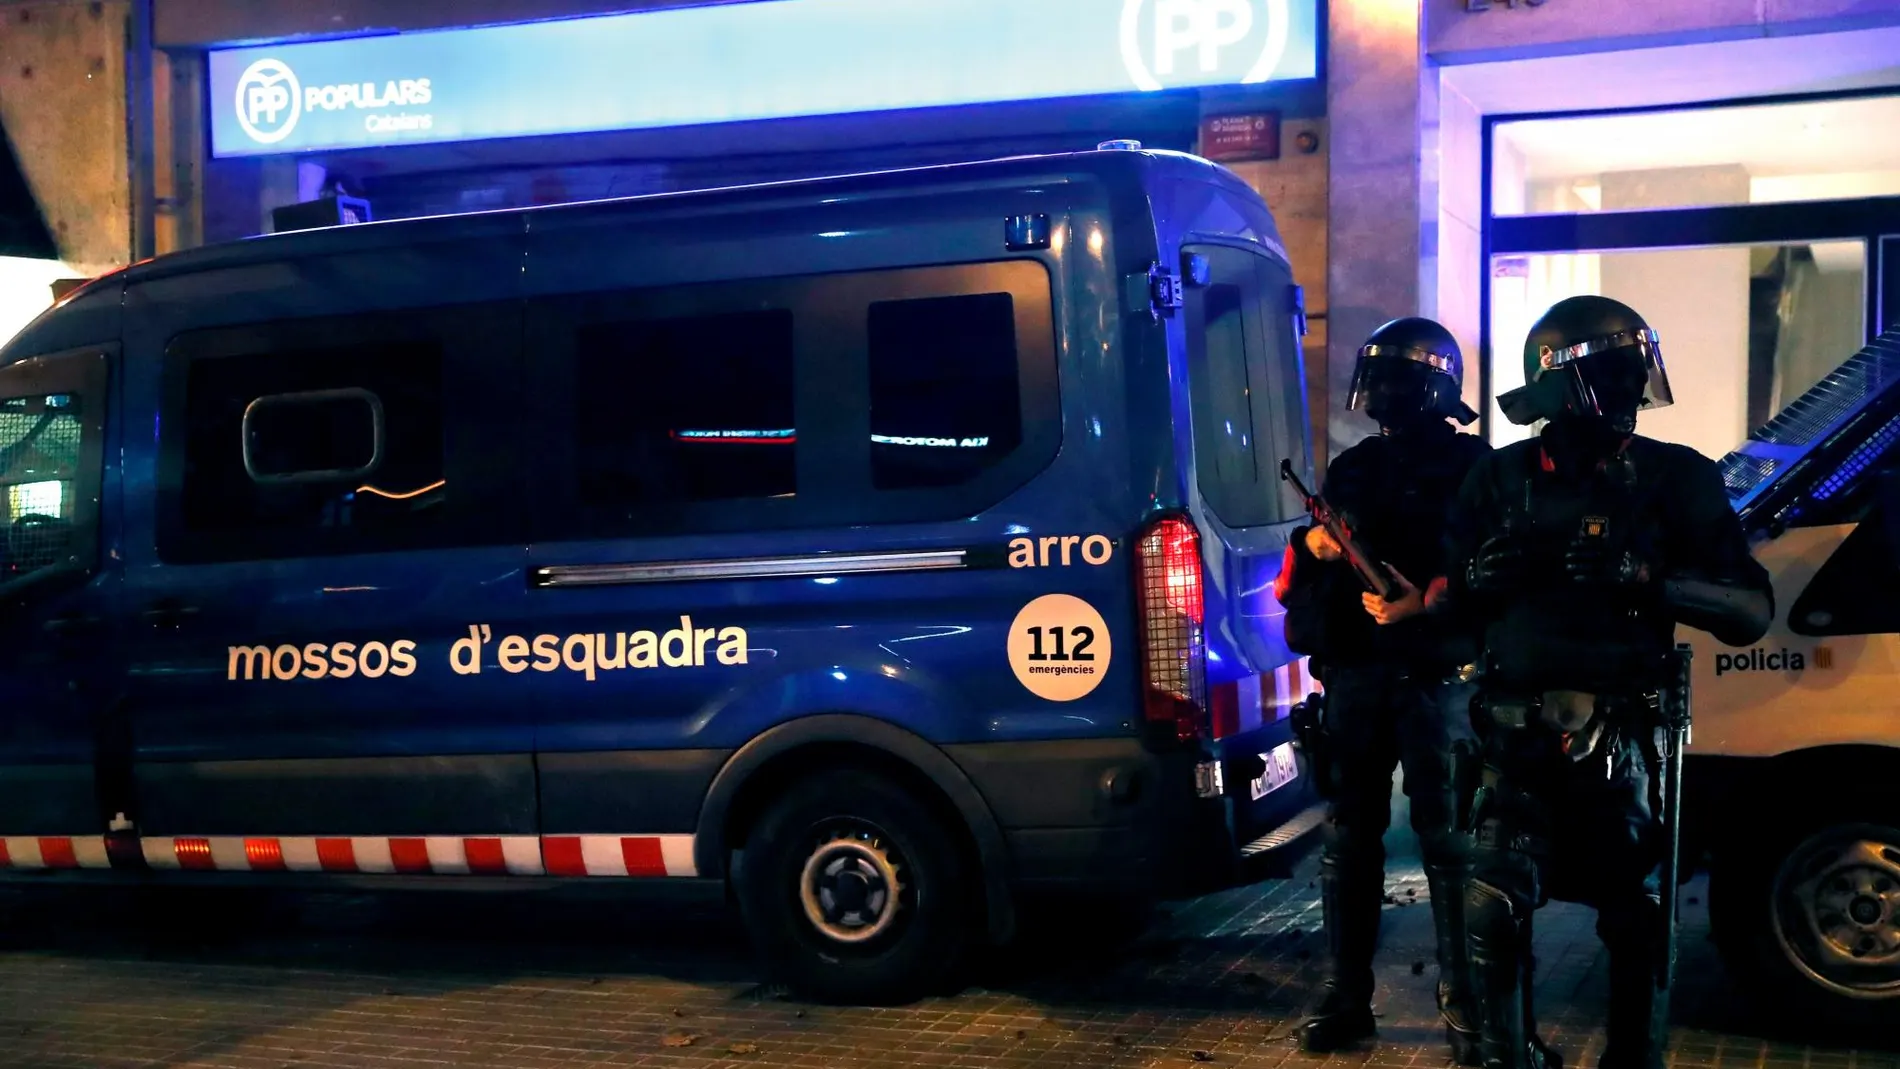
x=1490, y=912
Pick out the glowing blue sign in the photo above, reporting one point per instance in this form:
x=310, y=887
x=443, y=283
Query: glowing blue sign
x=763, y=60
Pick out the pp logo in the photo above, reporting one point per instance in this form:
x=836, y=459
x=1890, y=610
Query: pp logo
x=1207, y=31
x=269, y=101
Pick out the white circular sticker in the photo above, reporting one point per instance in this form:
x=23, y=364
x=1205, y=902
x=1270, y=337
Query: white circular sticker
x=1059, y=647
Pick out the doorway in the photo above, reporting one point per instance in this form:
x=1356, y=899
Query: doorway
x=1760, y=239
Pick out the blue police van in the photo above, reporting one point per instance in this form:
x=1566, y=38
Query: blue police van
x=874, y=550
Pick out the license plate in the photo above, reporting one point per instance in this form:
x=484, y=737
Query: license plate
x=1282, y=769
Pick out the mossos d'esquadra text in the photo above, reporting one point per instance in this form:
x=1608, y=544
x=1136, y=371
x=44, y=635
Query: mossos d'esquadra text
x=588, y=654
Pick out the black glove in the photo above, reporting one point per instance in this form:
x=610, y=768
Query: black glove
x=1499, y=565
x=1593, y=561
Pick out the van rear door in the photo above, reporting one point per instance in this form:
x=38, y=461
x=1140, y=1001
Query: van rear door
x=1247, y=388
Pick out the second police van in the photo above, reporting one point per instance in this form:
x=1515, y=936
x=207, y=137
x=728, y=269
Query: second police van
x=873, y=550
x=1790, y=776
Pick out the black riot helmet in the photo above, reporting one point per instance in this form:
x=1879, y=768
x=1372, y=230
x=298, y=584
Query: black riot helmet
x=1591, y=358
x=1410, y=371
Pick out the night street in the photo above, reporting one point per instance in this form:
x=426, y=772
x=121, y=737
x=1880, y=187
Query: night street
x=794, y=533
x=381, y=981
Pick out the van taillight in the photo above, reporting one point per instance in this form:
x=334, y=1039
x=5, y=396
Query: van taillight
x=1173, y=653
x=1223, y=710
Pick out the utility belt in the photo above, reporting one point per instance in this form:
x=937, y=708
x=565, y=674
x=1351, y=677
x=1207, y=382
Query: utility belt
x=1395, y=670
x=1312, y=739
x=1524, y=731
x=1581, y=724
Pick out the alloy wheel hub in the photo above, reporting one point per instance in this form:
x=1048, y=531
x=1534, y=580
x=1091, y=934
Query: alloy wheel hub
x=851, y=886
x=1837, y=914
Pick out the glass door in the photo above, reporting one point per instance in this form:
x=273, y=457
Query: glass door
x=1746, y=328
x=1759, y=238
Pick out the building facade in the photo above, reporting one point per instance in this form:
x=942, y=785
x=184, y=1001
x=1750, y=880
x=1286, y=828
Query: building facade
x=1725, y=165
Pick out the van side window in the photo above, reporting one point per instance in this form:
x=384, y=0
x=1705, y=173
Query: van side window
x=799, y=402
x=945, y=395
x=689, y=409
x=1855, y=589
x=320, y=450
x=1246, y=387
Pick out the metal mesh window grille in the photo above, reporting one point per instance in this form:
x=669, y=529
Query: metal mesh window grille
x=1812, y=421
x=1837, y=396
x=1172, y=611
x=39, y=453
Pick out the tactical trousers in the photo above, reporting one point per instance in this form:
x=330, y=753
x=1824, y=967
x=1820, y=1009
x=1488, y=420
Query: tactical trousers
x=1577, y=831
x=1378, y=720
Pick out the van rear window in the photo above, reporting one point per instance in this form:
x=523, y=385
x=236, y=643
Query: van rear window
x=1227, y=442
x=1246, y=385
x=691, y=409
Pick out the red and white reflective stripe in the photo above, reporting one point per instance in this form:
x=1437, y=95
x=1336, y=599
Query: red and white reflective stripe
x=619, y=855
x=1291, y=684
x=482, y=855
x=458, y=855
x=54, y=852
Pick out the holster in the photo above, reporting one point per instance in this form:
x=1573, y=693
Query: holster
x=1467, y=780
x=1310, y=741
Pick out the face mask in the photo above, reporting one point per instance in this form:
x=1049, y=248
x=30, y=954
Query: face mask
x=1610, y=388
x=1585, y=439
x=1392, y=390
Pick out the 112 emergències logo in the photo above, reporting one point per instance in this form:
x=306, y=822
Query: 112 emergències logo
x=270, y=101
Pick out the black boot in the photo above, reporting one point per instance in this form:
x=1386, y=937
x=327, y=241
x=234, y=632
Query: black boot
x=1342, y=1015
x=1499, y=942
x=1447, y=886
x=1638, y=1023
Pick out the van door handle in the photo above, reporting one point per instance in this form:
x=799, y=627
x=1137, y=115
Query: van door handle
x=169, y=615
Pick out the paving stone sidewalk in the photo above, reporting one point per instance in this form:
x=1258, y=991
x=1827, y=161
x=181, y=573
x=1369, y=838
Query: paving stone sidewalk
x=387, y=981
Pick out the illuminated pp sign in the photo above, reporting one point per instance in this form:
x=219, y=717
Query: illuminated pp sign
x=735, y=62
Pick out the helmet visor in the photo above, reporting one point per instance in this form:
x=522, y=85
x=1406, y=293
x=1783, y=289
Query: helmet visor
x=1388, y=381
x=1614, y=376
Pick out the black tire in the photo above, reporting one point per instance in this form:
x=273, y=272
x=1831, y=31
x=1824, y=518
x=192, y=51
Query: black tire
x=1807, y=915
x=852, y=824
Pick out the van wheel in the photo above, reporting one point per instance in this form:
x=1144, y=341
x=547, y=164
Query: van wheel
x=1811, y=913
x=855, y=891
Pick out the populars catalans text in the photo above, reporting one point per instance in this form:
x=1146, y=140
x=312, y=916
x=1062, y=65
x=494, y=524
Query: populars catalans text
x=588, y=654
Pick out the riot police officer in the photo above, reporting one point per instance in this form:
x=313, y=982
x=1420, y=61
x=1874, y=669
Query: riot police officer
x=1391, y=696
x=1578, y=552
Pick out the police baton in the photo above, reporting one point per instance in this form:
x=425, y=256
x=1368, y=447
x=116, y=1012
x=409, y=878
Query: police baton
x=1677, y=718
